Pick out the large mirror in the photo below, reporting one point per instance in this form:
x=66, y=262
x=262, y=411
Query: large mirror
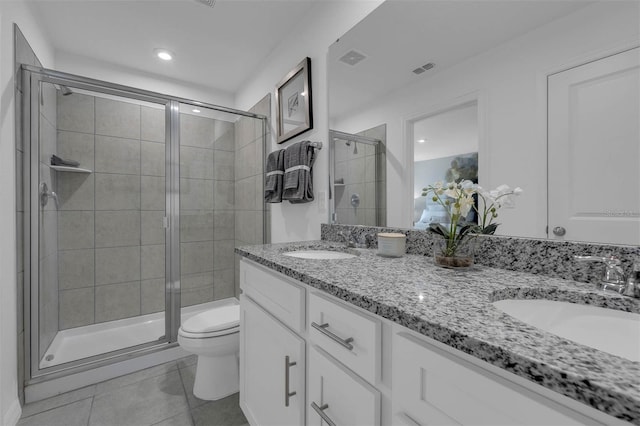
x=548, y=91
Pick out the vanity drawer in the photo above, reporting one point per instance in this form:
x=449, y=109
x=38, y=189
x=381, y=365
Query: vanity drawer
x=280, y=296
x=337, y=393
x=351, y=337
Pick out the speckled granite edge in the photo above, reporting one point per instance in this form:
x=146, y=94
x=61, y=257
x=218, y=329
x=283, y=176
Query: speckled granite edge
x=605, y=382
x=551, y=258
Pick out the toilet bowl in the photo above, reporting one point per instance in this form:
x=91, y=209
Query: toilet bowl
x=214, y=336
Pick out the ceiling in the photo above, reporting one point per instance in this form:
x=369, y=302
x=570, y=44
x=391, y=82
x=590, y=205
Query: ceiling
x=402, y=35
x=217, y=47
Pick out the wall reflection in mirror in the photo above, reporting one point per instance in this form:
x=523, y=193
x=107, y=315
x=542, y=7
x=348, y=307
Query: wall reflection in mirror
x=529, y=67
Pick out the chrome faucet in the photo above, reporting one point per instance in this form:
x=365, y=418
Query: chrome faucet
x=349, y=238
x=613, y=275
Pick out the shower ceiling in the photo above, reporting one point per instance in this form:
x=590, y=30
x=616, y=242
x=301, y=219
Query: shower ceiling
x=215, y=47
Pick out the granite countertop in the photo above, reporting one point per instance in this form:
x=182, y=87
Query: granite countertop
x=455, y=308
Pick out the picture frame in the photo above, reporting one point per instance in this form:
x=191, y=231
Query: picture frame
x=294, y=113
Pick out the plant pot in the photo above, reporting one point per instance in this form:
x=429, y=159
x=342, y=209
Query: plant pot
x=455, y=256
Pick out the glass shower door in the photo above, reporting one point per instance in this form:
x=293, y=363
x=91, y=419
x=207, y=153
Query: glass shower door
x=99, y=241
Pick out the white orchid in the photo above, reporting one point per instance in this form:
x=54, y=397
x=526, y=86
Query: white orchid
x=492, y=201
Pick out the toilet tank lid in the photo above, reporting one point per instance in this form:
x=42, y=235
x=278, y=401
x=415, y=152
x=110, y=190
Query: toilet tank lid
x=216, y=319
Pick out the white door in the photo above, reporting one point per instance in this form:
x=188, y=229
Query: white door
x=272, y=369
x=594, y=151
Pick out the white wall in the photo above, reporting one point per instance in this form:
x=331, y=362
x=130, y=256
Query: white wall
x=326, y=22
x=10, y=12
x=99, y=70
x=511, y=81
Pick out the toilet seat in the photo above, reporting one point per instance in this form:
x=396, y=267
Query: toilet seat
x=214, y=322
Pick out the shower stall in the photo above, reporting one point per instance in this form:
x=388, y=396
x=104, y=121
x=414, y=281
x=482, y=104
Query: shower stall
x=134, y=202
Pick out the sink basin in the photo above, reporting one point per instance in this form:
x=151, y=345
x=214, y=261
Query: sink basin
x=320, y=254
x=608, y=330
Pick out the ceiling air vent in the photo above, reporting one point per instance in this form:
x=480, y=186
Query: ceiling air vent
x=424, y=68
x=418, y=71
x=209, y=3
x=352, y=57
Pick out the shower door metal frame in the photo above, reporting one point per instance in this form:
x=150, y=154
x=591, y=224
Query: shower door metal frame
x=32, y=78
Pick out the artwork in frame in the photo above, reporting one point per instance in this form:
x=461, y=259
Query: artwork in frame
x=293, y=102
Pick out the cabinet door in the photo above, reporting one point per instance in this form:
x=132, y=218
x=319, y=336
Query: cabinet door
x=272, y=369
x=341, y=395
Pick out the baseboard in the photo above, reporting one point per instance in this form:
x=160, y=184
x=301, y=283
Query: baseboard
x=13, y=414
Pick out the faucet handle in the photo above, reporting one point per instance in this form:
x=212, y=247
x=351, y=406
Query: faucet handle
x=613, y=273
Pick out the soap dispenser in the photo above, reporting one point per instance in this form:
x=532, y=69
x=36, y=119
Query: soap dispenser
x=632, y=287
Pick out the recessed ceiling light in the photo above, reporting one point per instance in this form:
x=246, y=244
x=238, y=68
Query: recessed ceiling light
x=195, y=110
x=164, y=54
x=421, y=140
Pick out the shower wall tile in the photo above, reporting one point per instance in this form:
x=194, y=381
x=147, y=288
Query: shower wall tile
x=356, y=170
x=76, y=191
x=223, y=165
x=247, y=130
x=224, y=136
x=117, y=155
x=48, y=135
x=153, y=124
x=152, y=261
x=245, y=161
x=152, y=158
x=224, y=254
x=196, y=131
x=49, y=98
x=152, y=193
x=117, y=192
x=76, y=308
x=199, y=280
x=196, y=257
x=196, y=296
x=197, y=194
x=75, y=230
x=117, y=228
x=117, y=118
x=49, y=176
x=196, y=163
x=78, y=147
x=76, y=268
x=246, y=193
x=223, y=195
x=117, y=265
x=152, y=296
x=196, y=225
x=223, y=284
x=116, y=301
x=152, y=227
x=245, y=226
x=223, y=225
x=76, y=113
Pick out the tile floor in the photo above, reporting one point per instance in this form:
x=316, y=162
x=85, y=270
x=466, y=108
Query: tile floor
x=160, y=395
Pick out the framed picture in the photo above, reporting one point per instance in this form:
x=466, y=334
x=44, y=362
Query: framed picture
x=293, y=102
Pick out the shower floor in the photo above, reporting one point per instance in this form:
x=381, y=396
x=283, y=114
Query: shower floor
x=91, y=340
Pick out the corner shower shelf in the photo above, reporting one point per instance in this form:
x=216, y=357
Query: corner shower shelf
x=70, y=169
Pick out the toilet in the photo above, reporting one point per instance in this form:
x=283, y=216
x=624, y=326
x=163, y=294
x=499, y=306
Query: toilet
x=214, y=335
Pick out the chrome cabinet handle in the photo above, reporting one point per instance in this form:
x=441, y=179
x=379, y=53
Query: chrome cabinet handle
x=322, y=328
x=559, y=231
x=322, y=414
x=287, y=394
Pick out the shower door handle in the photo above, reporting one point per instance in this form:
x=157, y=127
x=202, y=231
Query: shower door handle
x=287, y=366
x=45, y=195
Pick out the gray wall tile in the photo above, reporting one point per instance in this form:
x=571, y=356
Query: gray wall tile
x=75, y=229
x=224, y=285
x=76, y=308
x=76, y=191
x=152, y=260
x=224, y=135
x=223, y=250
x=245, y=161
x=116, y=301
x=196, y=225
x=196, y=131
x=117, y=155
x=196, y=163
x=199, y=280
x=117, y=118
x=153, y=124
x=49, y=103
x=48, y=234
x=77, y=146
x=223, y=225
x=152, y=193
x=76, y=268
x=76, y=113
x=48, y=140
x=152, y=158
x=196, y=296
x=152, y=227
x=245, y=193
x=117, y=228
x=117, y=192
x=152, y=293
x=196, y=257
x=223, y=194
x=223, y=165
x=196, y=194
x=117, y=265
